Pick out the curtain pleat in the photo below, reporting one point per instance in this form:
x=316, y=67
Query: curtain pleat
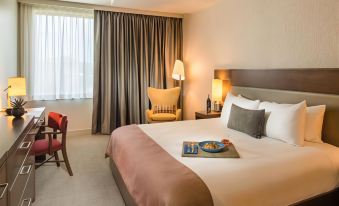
x=132, y=52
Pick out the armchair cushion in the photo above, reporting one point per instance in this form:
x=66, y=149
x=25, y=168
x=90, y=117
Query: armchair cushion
x=164, y=109
x=163, y=117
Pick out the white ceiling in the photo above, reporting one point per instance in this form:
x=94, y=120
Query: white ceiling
x=171, y=6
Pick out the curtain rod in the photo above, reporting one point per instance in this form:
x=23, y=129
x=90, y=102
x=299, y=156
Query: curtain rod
x=100, y=7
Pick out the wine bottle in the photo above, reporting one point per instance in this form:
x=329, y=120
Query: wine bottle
x=208, y=104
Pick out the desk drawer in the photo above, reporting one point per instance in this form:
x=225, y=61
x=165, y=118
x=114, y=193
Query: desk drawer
x=37, y=124
x=16, y=159
x=3, y=185
x=26, y=202
x=28, y=196
x=40, y=120
x=17, y=190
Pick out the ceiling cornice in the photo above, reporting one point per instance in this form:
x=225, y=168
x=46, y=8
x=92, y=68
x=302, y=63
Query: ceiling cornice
x=100, y=7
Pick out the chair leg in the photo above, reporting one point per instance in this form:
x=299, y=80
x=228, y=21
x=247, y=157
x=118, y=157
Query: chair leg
x=57, y=158
x=64, y=154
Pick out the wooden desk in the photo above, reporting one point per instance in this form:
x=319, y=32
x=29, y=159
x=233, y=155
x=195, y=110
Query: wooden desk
x=17, y=162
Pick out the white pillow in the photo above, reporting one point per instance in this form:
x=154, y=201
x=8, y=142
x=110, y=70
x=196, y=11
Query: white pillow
x=271, y=106
x=314, y=119
x=286, y=122
x=239, y=101
x=314, y=123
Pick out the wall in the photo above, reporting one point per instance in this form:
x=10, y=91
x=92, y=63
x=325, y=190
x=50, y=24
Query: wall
x=79, y=112
x=8, y=43
x=241, y=34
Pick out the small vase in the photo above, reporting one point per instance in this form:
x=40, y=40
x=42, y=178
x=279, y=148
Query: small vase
x=18, y=112
x=9, y=111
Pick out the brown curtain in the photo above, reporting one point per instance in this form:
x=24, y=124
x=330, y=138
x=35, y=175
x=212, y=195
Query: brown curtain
x=131, y=52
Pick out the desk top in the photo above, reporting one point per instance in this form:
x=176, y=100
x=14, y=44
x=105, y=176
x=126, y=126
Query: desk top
x=11, y=128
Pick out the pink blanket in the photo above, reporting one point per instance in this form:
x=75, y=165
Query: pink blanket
x=152, y=176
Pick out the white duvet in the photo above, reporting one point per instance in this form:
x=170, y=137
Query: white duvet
x=269, y=172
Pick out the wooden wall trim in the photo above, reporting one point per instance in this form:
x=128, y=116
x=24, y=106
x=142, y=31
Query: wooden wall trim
x=319, y=80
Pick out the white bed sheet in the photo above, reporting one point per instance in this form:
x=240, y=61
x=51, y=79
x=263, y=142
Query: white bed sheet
x=269, y=172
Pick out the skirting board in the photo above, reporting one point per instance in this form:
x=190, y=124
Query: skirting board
x=79, y=132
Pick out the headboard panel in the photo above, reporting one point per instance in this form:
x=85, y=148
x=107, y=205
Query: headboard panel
x=287, y=90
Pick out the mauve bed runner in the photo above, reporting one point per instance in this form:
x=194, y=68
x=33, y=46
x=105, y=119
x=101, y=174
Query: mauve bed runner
x=151, y=175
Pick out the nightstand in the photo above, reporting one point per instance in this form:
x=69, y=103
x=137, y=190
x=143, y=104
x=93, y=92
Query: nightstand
x=205, y=115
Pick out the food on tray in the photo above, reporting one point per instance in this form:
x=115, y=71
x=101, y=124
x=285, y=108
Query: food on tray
x=211, y=145
x=226, y=142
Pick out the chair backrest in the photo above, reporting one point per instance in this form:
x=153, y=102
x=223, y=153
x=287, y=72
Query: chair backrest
x=163, y=96
x=57, y=121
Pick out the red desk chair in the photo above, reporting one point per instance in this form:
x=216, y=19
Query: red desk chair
x=52, y=145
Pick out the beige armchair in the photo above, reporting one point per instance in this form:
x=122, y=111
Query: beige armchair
x=164, y=105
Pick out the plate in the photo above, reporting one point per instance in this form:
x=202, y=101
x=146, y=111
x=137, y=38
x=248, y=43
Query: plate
x=220, y=146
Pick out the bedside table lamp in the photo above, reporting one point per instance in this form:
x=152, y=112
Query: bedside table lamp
x=16, y=87
x=217, y=94
x=179, y=74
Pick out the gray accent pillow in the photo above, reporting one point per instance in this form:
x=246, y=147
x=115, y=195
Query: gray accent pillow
x=247, y=121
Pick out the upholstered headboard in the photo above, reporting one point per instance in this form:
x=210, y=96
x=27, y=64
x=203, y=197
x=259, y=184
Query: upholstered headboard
x=316, y=86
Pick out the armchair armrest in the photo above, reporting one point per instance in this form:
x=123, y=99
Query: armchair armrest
x=148, y=115
x=178, y=115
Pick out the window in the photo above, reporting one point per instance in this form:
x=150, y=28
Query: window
x=61, y=59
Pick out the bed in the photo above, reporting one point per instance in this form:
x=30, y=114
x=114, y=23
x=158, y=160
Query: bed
x=269, y=172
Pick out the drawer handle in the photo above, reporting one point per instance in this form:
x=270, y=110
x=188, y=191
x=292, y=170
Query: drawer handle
x=4, y=191
x=25, y=145
x=40, y=122
x=28, y=170
x=29, y=200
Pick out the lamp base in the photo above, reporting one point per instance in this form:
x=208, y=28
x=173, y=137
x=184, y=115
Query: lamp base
x=8, y=111
x=217, y=107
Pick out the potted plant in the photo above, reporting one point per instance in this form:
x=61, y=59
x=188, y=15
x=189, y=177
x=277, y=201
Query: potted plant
x=18, y=107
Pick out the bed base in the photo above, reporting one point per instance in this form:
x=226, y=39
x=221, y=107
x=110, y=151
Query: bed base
x=126, y=196
x=327, y=199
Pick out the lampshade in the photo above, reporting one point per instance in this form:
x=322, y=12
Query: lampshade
x=217, y=90
x=178, y=71
x=17, y=86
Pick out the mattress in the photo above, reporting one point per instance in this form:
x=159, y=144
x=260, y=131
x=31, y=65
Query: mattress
x=268, y=172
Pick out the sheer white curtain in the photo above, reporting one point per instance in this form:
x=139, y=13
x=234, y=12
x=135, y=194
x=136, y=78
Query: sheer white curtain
x=57, y=52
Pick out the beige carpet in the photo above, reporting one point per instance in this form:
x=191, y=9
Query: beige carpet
x=92, y=183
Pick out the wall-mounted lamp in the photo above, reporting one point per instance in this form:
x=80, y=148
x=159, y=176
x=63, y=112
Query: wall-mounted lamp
x=217, y=94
